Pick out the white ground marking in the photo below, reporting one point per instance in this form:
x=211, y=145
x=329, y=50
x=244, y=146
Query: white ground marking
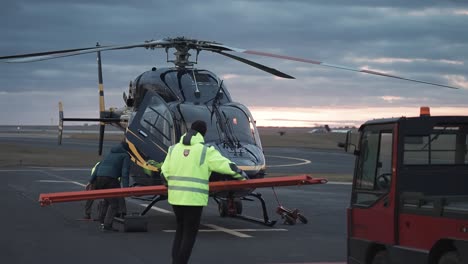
x=157, y=209
x=304, y=161
x=44, y=168
x=226, y=230
x=218, y=229
x=340, y=183
x=18, y=170
x=62, y=169
x=235, y=232
x=313, y=263
x=52, y=181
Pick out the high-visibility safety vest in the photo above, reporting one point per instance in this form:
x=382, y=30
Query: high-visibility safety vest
x=187, y=169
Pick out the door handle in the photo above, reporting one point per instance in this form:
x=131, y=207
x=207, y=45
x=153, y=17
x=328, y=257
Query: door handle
x=385, y=201
x=142, y=133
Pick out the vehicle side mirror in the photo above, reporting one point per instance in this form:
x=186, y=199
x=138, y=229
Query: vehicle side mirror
x=347, y=144
x=343, y=145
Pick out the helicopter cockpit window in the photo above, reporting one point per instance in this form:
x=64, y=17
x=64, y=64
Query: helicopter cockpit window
x=157, y=121
x=237, y=121
x=195, y=86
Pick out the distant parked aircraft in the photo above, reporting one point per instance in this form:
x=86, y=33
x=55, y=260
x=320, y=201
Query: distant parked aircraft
x=326, y=129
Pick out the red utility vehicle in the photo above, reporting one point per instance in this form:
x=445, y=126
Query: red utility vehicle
x=409, y=201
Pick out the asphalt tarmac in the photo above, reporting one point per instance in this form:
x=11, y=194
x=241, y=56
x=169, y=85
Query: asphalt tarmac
x=53, y=234
x=294, y=160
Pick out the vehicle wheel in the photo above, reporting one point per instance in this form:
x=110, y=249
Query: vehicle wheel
x=381, y=258
x=302, y=218
x=223, y=208
x=289, y=220
x=450, y=257
x=238, y=204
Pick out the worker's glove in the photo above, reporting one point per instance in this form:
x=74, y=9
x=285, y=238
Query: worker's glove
x=154, y=163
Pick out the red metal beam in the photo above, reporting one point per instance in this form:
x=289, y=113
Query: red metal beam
x=49, y=198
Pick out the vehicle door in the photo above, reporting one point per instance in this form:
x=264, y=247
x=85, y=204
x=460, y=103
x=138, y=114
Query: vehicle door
x=372, y=209
x=151, y=131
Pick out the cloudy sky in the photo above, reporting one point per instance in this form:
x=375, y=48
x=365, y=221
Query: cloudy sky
x=420, y=39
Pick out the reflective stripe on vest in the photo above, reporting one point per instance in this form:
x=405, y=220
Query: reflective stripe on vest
x=203, y=155
x=188, y=189
x=188, y=179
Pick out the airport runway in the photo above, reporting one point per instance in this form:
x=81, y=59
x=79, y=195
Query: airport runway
x=32, y=234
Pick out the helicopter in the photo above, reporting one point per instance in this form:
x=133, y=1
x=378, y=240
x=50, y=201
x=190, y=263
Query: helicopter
x=162, y=103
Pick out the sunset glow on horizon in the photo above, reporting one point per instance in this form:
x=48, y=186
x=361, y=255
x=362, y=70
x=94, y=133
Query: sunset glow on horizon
x=338, y=117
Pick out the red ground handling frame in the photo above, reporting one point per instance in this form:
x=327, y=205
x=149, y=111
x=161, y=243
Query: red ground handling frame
x=160, y=192
x=60, y=197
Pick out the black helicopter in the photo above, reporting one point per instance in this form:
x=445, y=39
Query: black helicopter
x=163, y=102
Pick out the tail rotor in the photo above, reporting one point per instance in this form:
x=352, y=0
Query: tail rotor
x=60, y=126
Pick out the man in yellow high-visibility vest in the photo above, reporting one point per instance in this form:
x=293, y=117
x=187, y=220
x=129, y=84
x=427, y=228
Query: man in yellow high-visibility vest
x=187, y=169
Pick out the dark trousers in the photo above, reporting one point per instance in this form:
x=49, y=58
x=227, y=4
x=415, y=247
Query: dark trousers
x=112, y=203
x=89, y=203
x=104, y=205
x=188, y=222
x=89, y=206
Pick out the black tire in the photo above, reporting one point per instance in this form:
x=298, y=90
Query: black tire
x=238, y=204
x=223, y=208
x=289, y=220
x=381, y=257
x=302, y=218
x=450, y=257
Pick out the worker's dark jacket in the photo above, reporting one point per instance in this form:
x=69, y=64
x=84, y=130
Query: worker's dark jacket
x=116, y=164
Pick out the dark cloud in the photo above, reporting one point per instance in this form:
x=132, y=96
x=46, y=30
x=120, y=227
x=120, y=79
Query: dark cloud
x=428, y=34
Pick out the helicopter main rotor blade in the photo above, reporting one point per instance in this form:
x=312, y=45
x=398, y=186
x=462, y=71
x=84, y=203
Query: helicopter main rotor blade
x=32, y=57
x=266, y=54
x=42, y=53
x=257, y=65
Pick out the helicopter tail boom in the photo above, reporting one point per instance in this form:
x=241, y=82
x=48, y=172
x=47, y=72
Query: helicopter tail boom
x=102, y=120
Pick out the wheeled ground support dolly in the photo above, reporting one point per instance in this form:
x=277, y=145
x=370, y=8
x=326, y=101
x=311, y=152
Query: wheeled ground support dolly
x=290, y=216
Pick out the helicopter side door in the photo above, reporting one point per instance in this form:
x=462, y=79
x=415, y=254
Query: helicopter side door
x=151, y=131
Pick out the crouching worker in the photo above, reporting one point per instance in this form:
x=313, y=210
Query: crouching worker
x=187, y=169
x=115, y=165
x=90, y=186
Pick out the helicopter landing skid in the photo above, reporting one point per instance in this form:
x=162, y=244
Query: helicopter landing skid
x=232, y=207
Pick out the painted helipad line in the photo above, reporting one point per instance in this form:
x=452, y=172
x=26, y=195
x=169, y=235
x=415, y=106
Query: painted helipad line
x=156, y=208
x=235, y=232
x=312, y=263
x=22, y=169
x=304, y=161
x=55, y=181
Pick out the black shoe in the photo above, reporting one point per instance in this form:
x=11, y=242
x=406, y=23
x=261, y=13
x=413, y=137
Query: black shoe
x=104, y=228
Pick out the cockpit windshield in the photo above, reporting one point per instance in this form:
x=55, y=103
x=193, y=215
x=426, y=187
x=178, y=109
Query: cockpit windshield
x=231, y=125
